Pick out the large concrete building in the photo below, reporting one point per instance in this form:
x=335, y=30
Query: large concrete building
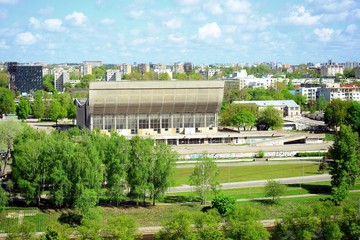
x=340, y=91
x=167, y=110
x=60, y=78
x=331, y=70
x=24, y=78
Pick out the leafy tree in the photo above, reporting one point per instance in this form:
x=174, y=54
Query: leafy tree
x=3, y=198
x=207, y=225
x=274, y=189
x=88, y=199
x=180, y=228
x=73, y=76
x=164, y=76
x=345, y=167
x=269, y=118
x=223, y=203
x=353, y=116
x=55, y=110
x=4, y=81
x=38, y=105
x=121, y=227
x=300, y=224
x=48, y=83
x=7, y=102
x=23, y=108
x=336, y=112
x=99, y=72
x=321, y=104
x=239, y=115
x=242, y=223
x=350, y=222
x=23, y=231
x=349, y=73
x=204, y=178
x=163, y=160
x=300, y=100
x=56, y=231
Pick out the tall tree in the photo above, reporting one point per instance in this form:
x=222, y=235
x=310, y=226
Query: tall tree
x=55, y=110
x=38, y=105
x=7, y=102
x=269, y=118
x=345, y=166
x=205, y=178
x=336, y=112
x=3, y=198
x=353, y=116
x=23, y=108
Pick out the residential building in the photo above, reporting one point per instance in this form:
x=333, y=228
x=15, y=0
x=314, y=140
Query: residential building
x=177, y=67
x=125, y=68
x=170, y=111
x=24, y=78
x=331, y=70
x=308, y=92
x=60, y=78
x=289, y=108
x=357, y=72
x=85, y=69
x=143, y=67
x=340, y=91
x=112, y=75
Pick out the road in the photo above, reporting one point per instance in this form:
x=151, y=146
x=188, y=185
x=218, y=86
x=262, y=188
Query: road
x=258, y=183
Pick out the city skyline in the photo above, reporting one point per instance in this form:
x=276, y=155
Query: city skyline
x=227, y=31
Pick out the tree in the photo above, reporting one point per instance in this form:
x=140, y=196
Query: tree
x=345, y=167
x=353, y=116
x=121, y=227
x=4, y=81
x=274, y=189
x=269, y=118
x=38, y=106
x=204, y=177
x=7, y=102
x=48, y=83
x=239, y=115
x=88, y=199
x=242, y=223
x=55, y=110
x=336, y=112
x=23, y=108
x=207, y=225
x=163, y=160
x=3, y=198
x=180, y=228
x=23, y=231
x=223, y=203
x=321, y=104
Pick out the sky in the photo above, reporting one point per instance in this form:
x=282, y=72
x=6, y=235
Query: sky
x=169, y=31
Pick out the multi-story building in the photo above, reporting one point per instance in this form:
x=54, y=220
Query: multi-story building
x=287, y=107
x=24, y=78
x=143, y=67
x=209, y=72
x=60, y=78
x=340, y=91
x=85, y=69
x=112, y=75
x=308, y=92
x=93, y=63
x=331, y=70
x=125, y=68
x=176, y=112
x=177, y=67
x=357, y=72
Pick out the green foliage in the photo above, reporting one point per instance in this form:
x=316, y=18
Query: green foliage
x=55, y=110
x=71, y=218
x=3, y=198
x=345, y=168
x=179, y=228
x=88, y=199
x=310, y=154
x=4, y=81
x=260, y=154
x=336, y=113
x=205, y=178
x=163, y=76
x=223, y=203
x=353, y=116
x=321, y=104
x=269, y=118
x=239, y=115
x=23, y=231
x=7, y=102
x=38, y=105
x=23, y=108
x=274, y=189
x=121, y=227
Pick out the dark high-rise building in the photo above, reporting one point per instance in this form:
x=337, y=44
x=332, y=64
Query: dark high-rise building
x=23, y=77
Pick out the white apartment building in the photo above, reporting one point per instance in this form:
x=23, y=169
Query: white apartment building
x=287, y=107
x=113, y=75
x=308, y=92
x=340, y=91
x=125, y=68
x=60, y=78
x=177, y=67
x=85, y=69
x=331, y=70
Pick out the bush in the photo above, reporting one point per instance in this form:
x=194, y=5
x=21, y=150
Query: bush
x=260, y=154
x=310, y=154
x=274, y=189
x=73, y=219
x=223, y=203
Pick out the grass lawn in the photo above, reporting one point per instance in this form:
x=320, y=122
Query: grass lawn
x=254, y=172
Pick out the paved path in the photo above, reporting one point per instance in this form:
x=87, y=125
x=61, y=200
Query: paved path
x=258, y=183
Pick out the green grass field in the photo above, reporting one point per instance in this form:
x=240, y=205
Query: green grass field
x=252, y=172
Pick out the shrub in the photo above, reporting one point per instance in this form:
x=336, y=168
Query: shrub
x=223, y=203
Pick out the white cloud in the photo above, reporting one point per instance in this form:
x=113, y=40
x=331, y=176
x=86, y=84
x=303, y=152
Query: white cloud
x=189, y=2
x=357, y=13
x=173, y=23
x=229, y=28
x=238, y=6
x=8, y=1
x=333, y=5
x=107, y=21
x=76, y=18
x=3, y=45
x=209, y=30
x=34, y=22
x=352, y=28
x=26, y=38
x=324, y=34
x=214, y=8
x=176, y=38
x=53, y=25
x=229, y=40
x=136, y=13
x=300, y=16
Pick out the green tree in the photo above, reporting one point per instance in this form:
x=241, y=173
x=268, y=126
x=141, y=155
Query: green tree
x=163, y=76
x=353, y=116
x=3, y=198
x=223, y=203
x=23, y=108
x=48, y=83
x=242, y=223
x=23, y=231
x=4, y=81
x=345, y=166
x=38, y=105
x=321, y=104
x=207, y=225
x=336, y=112
x=274, y=189
x=87, y=199
x=55, y=110
x=180, y=228
x=205, y=178
x=269, y=118
x=121, y=227
x=7, y=102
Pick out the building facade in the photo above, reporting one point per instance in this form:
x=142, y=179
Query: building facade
x=112, y=75
x=85, y=69
x=125, y=68
x=60, y=78
x=331, y=70
x=289, y=108
x=340, y=91
x=152, y=108
x=24, y=78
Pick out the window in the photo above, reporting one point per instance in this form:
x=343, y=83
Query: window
x=97, y=122
x=109, y=122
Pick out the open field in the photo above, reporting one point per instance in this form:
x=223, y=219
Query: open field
x=247, y=173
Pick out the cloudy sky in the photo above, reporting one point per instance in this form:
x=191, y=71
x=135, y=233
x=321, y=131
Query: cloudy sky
x=168, y=31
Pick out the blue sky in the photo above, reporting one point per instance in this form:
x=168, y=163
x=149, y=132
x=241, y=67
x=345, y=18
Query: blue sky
x=168, y=31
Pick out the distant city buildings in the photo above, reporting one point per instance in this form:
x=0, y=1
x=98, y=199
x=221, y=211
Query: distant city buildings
x=24, y=78
x=340, y=91
x=112, y=75
x=125, y=68
x=61, y=76
x=93, y=63
x=331, y=70
x=85, y=69
x=287, y=107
